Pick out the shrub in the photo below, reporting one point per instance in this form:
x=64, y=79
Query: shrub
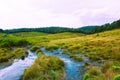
x=86, y=76
x=6, y=43
x=117, y=77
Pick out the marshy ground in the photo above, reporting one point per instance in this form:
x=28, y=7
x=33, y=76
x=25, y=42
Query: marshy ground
x=102, y=48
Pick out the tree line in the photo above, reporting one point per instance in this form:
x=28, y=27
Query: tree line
x=85, y=30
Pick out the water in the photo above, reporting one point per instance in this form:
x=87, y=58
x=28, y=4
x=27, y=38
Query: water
x=16, y=70
x=74, y=70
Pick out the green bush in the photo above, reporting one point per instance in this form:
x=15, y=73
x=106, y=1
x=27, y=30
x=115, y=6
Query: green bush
x=86, y=76
x=117, y=77
x=11, y=42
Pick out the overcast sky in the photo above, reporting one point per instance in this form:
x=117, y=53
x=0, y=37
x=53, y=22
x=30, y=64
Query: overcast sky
x=66, y=13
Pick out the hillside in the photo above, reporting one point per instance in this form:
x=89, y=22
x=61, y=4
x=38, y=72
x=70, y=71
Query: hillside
x=55, y=29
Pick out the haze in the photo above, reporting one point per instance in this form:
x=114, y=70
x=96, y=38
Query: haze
x=65, y=13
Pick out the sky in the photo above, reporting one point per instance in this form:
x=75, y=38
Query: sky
x=64, y=13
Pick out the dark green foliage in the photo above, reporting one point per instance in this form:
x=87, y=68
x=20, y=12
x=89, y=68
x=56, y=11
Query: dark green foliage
x=88, y=29
x=108, y=26
x=53, y=30
x=45, y=30
x=1, y=31
x=86, y=76
x=11, y=42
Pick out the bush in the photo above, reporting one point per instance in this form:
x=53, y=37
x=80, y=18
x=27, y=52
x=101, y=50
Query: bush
x=86, y=76
x=117, y=77
x=6, y=43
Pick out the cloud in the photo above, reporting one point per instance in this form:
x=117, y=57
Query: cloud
x=68, y=13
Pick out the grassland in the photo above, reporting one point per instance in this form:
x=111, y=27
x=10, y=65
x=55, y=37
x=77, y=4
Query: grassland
x=45, y=68
x=18, y=53
x=97, y=47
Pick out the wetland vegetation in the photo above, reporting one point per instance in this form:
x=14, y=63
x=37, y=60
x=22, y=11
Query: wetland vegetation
x=100, y=45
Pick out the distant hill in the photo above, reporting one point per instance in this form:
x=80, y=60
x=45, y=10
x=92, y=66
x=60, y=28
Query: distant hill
x=88, y=29
x=53, y=30
x=96, y=29
x=45, y=30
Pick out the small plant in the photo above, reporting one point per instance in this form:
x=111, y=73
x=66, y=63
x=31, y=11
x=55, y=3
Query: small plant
x=86, y=76
x=35, y=48
x=116, y=67
x=117, y=77
x=94, y=71
x=75, y=57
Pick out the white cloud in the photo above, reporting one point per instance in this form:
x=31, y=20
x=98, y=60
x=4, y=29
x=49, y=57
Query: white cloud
x=68, y=13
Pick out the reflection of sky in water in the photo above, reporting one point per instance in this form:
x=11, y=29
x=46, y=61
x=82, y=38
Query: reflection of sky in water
x=15, y=71
x=73, y=68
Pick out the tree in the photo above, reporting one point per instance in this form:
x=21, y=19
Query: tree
x=1, y=31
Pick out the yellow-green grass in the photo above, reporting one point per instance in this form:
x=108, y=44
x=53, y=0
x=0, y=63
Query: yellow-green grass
x=18, y=53
x=105, y=46
x=51, y=37
x=109, y=71
x=45, y=68
x=29, y=34
x=35, y=48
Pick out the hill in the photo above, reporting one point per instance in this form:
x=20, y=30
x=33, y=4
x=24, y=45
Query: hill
x=55, y=29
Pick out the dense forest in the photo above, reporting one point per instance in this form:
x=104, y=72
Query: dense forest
x=85, y=30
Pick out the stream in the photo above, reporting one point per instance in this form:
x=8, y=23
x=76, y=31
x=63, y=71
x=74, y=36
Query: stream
x=16, y=70
x=73, y=69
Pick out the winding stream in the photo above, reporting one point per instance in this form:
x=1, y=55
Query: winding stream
x=16, y=70
x=74, y=70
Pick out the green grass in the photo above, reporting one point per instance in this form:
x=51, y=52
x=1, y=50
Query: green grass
x=35, y=48
x=18, y=53
x=45, y=68
x=97, y=47
x=104, y=46
x=75, y=57
x=29, y=34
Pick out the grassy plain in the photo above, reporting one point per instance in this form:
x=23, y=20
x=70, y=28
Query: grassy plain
x=98, y=47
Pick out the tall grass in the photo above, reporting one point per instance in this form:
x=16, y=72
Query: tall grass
x=18, y=53
x=45, y=68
